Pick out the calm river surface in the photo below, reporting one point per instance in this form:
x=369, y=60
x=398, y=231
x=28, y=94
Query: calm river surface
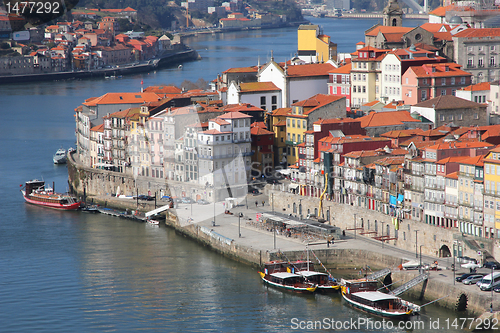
x=76, y=272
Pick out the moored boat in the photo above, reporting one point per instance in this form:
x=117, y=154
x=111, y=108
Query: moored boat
x=60, y=156
x=277, y=274
x=363, y=294
x=154, y=222
x=288, y=281
x=35, y=192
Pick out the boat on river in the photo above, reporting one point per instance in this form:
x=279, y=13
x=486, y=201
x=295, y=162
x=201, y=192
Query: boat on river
x=35, y=192
x=363, y=294
x=275, y=274
x=60, y=156
x=325, y=282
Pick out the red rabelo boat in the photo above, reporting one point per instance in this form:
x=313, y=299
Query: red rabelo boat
x=35, y=192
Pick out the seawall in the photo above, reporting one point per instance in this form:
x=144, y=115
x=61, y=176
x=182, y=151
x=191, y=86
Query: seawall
x=164, y=61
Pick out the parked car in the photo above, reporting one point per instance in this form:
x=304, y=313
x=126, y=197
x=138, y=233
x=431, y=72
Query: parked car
x=202, y=202
x=492, y=265
x=473, y=279
x=496, y=289
x=471, y=265
x=187, y=200
x=145, y=197
x=463, y=277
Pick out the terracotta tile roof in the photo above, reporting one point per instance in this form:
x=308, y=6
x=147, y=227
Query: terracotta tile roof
x=258, y=86
x=439, y=36
x=346, y=69
x=457, y=145
x=122, y=98
x=234, y=115
x=98, y=128
x=335, y=121
x=309, y=70
x=168, y=90
x=372, y=103
x=477, y=87
x=474, y=33
x=389, y=118
x=246, y=107
x=402, y=133
x=317, y=101
x=435, y=27
x=260, y=124
x=448, y=102
x=452, y=159
x=318, y=160
x=439, y=70
x=360, y=43
x=280, y=123
x=453, y=175
x=476, y=160
x=282, y=111
x=251, y=69
x=221, y=121
x=387, y=29
x=260, y=131
x=390, y=160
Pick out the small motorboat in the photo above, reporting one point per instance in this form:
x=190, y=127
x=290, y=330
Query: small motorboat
x=154, y=222
x=60, y=156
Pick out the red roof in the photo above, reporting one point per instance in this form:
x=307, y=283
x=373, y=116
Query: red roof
x=257, y=86
x=389, y=118
x=309, y=70
x=317, y=101
x=260, y=131
x=478, y=87
x=342, y=70
x=474, y=33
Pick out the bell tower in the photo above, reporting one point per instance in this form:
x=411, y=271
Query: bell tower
x=393, y=15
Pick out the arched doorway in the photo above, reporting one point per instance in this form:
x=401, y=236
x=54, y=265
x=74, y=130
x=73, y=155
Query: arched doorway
x=444, y=252
x=394, y=22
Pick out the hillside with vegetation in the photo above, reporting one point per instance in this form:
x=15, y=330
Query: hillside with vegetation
x=159, y=14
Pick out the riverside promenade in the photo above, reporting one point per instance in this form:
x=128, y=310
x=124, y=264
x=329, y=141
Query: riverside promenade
x=349, y=253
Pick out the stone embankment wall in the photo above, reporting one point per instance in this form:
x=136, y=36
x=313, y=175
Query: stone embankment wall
x=97, y=182
x=411, y=234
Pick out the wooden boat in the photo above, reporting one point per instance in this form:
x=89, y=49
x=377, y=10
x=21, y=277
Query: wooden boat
x=363, y=294
x=325, y=282
x=35, y=192
x=276, y=274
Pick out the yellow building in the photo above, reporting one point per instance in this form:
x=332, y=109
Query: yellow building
x=314, y=46
x=277, y=122
x=492, y=193
x=304, y=114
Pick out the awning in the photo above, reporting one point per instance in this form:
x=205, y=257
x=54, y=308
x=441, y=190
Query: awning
x=374, y=296
x=293, y=186
x=392, y=200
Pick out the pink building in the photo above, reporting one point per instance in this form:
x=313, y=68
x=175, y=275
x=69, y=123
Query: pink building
x=339, y=83
x=428, y=81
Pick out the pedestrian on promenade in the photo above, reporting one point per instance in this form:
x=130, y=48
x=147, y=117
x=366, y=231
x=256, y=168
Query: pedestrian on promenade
x=263, y=203
x=256, y=204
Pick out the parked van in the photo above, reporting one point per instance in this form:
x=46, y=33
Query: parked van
x=489, y=281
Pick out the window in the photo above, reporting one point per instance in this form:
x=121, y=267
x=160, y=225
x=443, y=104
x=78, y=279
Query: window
x=476, y=116
x=443, y=92
x=424, y=95
x=263, y=102
x=443, y=81
x=441, y=117
x=460, y=117
x=462, y=80
x=480, y=62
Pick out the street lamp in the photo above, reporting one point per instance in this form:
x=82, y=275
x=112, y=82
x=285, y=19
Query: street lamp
x=416, y=248
x=420, y=267
x=239, y=226
x=354, y=226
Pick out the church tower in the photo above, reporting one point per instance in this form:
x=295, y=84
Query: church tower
x=393, y=15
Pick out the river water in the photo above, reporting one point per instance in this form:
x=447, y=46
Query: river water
x=77, y=272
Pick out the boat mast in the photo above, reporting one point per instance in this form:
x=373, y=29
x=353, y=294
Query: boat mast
x=307, y=250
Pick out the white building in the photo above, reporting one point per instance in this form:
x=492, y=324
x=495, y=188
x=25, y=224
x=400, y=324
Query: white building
x=263, y=94
x=297, y=82
x=224, y=154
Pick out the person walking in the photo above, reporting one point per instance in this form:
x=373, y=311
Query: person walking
x=263, y=203
x=256, y=204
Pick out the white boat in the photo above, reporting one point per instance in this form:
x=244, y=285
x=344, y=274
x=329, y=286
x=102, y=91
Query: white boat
x=153, y=222
x=60, y=156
